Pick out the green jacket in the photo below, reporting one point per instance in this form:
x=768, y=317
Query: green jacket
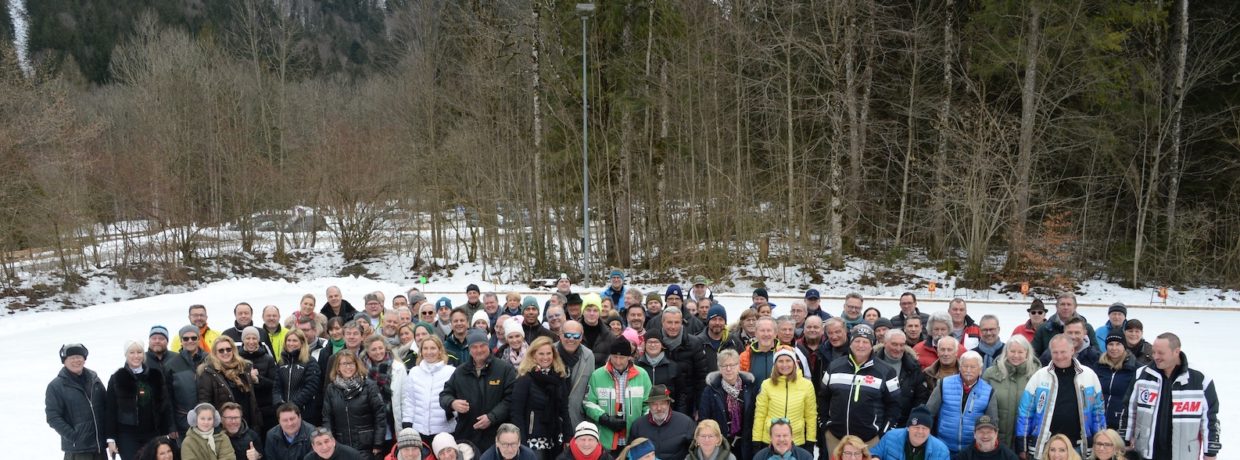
x=601, y=399
x=1006, y=396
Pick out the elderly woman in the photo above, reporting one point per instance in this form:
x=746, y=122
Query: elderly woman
x=203, y=441
x=729, y=400
x=939, y=326
x=139, y=404
x=948, y=351
x=224, y=377
x=1008, y=376
x=708, y=443
x=959, y=400
x=1116, y=370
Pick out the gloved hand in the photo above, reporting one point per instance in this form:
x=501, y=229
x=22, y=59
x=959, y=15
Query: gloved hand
x=614, y=422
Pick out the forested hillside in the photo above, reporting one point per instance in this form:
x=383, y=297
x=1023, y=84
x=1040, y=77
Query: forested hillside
x=1048, y=140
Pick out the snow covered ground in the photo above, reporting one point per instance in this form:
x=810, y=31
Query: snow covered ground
x=36, y=337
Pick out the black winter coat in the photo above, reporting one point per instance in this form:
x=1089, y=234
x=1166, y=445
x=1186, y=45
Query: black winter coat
x=139, y=403
x=264, y=390
x=1115, y=386
x=182, y=377
x=347, y=312
x=861, y=402
x=489, y=392
x=539, y=413
x=671, y=374
x=690, y=356
x=216, y=389
x=241, y=441
x=913, y=389
x=76, y=408
x=1002, y=453
x=276, y=447
x=730, y=341
x=298, y=383
x=714, y=405
x=357, y=417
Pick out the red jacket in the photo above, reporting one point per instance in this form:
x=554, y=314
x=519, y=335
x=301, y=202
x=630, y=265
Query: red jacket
x=1025, y=330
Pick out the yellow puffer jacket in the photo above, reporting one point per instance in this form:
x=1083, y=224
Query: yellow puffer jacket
x=790, y=399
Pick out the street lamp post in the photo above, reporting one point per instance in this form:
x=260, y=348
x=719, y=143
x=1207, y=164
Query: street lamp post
x=584, y=10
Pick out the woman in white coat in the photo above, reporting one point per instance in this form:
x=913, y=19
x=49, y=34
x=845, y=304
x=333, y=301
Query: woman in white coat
x=420, y=399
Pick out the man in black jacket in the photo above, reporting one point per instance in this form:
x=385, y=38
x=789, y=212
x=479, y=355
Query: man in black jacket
x=75, y=406
x=479, y=393
x=689, y=355
x=290, y=440
x=860, y=396
x=671, y=431
x=896, y=353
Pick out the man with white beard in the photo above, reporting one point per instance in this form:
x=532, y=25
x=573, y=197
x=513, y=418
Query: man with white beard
x=670, y=431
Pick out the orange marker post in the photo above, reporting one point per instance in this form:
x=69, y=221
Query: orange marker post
x=933, y=286
x=1024, y=289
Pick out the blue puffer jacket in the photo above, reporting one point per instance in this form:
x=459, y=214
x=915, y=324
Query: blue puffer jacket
x=1115, y=385
x=891, y=446
x=957, y=416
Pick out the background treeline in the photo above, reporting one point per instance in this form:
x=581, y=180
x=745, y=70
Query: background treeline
x=1007, y=139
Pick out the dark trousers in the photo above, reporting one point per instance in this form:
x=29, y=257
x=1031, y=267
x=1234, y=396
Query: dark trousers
x=86, y=456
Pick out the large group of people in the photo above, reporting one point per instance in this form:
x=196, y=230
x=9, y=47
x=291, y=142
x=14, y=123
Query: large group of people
x=632, y=376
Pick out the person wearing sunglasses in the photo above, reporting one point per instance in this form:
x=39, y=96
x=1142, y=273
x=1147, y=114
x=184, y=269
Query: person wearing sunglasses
x=226, y=378
x=579, y=361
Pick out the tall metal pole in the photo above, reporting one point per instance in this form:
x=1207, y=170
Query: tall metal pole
x=585, y=157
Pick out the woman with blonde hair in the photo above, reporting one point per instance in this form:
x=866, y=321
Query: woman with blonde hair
x=420, y=398
x=788, y=396
x=850, y=447
x=709, y=443
x=298, y=378
x=1007, y=376
x=306, y=307
x=746, y=327
x=540, y=399
x=1060, y=448
x=1108, y=445
x=224, y=377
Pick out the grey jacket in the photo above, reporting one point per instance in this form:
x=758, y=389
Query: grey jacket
x=77, y=411
x=579, y=382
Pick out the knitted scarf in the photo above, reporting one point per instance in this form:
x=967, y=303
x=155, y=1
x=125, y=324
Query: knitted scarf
x=208, y=435
x=734, y=405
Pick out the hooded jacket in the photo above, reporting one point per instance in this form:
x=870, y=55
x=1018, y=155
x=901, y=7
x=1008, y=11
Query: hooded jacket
x=713, y=405
x=489, y=392
x=1037, y=407
x=603, y=397
x=420, y=399
x=1193, y=405
x=75, y=407
x=860, y=399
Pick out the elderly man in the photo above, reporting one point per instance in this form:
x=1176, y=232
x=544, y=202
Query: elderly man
x=579, y=361
x=372, y=310
x=473, y=303
x=811, y=340
x=959, y=400
x=986, y=444
x=671, y=431
x=74, y=404
x=914, y=442
x=1049, y=405
x=813, y=305
x=896, y=353
x=1173, y=412
x=837, y=341
x=963, y=328
x=1037, y=316
x=688, y=353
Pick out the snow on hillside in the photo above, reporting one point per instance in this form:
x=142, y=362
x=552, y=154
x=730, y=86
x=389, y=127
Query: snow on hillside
x=36, y=337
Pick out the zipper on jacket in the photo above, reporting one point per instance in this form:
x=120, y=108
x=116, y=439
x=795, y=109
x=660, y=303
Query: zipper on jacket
x=91, y=404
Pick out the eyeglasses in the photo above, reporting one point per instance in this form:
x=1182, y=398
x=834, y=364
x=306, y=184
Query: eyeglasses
x=425, y=313
x=348, y=363
x=851, y=454
x=729, y=365
x=509, y=445
x=990, y=329
x=572, y=336
x=224, y=350
x=235, y=417
x=1039, y=313
x=189, y=338
x=1104, y=444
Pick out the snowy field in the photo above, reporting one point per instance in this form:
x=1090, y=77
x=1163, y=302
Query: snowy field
x=36, y=337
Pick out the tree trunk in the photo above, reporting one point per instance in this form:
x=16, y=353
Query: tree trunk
x=790, y=141
x=1024, y=159
x=539, y=236
x=938, y=199
x=911, y=142
x=1177, y=114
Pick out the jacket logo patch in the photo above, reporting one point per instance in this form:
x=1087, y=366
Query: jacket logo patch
x=869, y=380
x=1146, y=396
x=1041, y=402
x=494, y=382
x=1186, y=406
